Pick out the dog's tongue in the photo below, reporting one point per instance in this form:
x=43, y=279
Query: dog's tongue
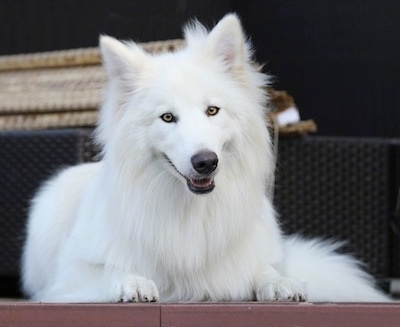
x=200, y=183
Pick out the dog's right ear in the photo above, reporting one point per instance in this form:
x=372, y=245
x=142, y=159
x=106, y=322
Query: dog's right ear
x=121, y=62
x=124, y=65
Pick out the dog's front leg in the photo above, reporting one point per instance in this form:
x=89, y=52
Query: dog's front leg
x=270, y=285
x=81, y=281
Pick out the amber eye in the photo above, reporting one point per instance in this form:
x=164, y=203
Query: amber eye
x=212, y=110
x=168, y=117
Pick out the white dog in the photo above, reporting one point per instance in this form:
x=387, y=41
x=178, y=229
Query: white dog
x=177, y=208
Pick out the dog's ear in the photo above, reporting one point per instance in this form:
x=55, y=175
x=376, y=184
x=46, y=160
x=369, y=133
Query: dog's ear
x=121, y=62
x=227, y=42
x=124, y=65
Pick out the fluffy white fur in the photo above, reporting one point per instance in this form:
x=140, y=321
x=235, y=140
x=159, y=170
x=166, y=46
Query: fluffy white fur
x=129, y=229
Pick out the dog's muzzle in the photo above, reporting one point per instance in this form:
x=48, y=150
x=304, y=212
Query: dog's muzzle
x=205, y=163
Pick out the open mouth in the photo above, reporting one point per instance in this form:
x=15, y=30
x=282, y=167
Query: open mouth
x=200, y=185
x=197, y=185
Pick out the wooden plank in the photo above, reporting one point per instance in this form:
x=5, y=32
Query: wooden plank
x=283, y=314
x=88, y=315
x=247, y=314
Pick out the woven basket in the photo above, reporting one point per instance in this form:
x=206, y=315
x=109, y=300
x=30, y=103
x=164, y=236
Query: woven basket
x=55, y=89
x=63, y=89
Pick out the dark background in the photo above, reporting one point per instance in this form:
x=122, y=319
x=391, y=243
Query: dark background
x=340, y=59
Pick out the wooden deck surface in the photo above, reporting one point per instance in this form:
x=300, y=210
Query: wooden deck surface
x=19, y=313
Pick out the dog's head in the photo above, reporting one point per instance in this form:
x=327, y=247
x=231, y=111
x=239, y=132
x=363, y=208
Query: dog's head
x=192, y=111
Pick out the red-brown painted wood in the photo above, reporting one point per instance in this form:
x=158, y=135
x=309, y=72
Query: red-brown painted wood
x=258, y=314
x=248, y=314
x=85, y=315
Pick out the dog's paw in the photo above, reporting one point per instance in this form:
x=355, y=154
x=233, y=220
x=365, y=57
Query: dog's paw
x=136, y=289
x=282, y=289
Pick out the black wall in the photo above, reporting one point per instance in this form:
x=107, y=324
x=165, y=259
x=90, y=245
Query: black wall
x=340, y=59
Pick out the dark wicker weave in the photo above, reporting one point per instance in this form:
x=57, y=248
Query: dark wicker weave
x=26, y=160
x=341, y=189
x=327, y=187
x=395, y=225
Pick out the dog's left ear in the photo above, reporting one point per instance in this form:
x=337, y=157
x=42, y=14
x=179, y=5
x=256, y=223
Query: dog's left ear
x=227, y=42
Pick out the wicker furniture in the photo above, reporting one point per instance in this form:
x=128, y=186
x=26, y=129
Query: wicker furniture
x=57, y=89
x=341, y=188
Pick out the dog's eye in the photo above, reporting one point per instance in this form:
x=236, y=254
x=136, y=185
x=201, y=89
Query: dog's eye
x=168, y=117
x=212, y=110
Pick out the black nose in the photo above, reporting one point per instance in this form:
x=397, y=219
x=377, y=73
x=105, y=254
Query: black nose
x=205, y=162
